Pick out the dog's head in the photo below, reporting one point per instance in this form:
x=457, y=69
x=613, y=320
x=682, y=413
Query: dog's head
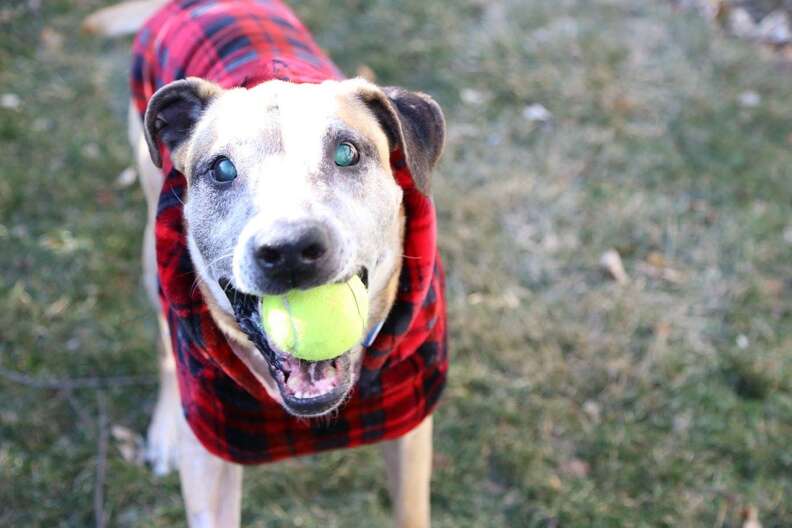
x=290, y=186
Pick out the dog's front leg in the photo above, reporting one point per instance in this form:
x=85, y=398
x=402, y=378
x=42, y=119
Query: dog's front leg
x=211, y=487
x=163, y=434
x=408, y=461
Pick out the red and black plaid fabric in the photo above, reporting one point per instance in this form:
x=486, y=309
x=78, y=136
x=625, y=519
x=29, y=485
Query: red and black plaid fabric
x=243, y=43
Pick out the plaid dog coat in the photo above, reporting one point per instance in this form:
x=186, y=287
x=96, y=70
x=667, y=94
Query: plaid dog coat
x=243, y=43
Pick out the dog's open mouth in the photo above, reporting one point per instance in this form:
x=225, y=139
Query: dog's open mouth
x=308, y=388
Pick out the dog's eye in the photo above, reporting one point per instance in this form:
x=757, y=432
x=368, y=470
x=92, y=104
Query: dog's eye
x=346, y=154
x=223, y=170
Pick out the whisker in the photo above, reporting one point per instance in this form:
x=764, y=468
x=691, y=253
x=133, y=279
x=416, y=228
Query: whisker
x=218, y=259
x=173, y=191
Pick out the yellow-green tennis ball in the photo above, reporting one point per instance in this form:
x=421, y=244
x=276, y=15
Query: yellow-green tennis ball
x=316, y=324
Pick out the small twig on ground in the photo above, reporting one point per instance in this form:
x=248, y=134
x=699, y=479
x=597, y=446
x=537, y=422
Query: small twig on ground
x=85, y=419
x=74, y=383
x=101, y=461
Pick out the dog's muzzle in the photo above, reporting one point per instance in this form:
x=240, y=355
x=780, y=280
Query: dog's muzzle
x=308, y=388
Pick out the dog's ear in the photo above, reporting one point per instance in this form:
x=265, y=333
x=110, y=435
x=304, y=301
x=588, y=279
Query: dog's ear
x=172, y=112
x=414, y=122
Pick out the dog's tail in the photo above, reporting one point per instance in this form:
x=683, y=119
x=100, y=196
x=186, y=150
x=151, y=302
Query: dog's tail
x=121, y=19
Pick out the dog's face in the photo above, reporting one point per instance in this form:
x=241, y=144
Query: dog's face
x=290, y=186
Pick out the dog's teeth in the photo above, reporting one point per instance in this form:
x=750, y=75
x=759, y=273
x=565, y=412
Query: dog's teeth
x=293, y=383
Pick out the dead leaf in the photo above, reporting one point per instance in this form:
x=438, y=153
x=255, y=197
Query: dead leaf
x=662, y=330
x=576, y=468
x=537, y=113
x=741, y=23
x=441, y=461
x=719, y=10
x=656, y=259
x=785, y=52
x=772, y=287
x=90, y=151
x=612, y=263
x=57, y=308
x=473, y=97
x=129, y=444
x=51, y=39
x=475, y=298
x=657, y=266
x=775, y=29
x=104, y=197
x=749, y=99
x=126, y=178
x=365, y=71
x=10, y=101
x=750, y=517
x=593, y=410
x=681, y=422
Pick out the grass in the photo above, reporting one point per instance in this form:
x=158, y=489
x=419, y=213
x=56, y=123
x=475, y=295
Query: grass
x=574, y=400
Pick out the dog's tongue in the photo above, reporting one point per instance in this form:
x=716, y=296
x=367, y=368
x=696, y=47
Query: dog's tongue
x=311, y=379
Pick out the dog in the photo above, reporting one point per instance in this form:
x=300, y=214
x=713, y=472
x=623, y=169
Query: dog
x=264, y=171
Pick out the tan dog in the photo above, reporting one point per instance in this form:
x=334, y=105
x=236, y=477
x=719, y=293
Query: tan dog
x=292, y=219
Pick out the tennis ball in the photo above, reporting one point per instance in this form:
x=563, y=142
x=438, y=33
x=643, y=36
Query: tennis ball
x=316, y=324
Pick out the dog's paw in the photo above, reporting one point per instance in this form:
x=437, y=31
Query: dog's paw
x=162, y=443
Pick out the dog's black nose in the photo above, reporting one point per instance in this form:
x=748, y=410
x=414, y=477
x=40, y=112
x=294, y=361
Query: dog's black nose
x=297, y=256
